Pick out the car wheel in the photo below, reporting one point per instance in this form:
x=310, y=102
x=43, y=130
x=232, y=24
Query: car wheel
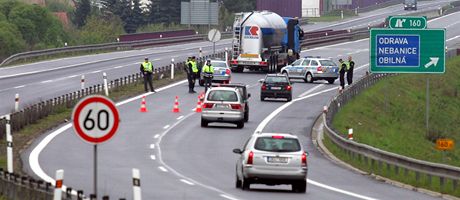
x=300, y=187
x=308, y=78
x=240, y=124
x=246, y=184
x=285, y=73
x=238, y=182
x=331, y=80
x=289, y=98
x=262, y=98
x=246, y=116
x=204, y=123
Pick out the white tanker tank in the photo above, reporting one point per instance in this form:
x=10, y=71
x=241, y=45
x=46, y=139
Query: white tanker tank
x=258, y=36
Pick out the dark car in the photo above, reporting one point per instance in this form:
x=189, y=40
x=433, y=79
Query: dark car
x=244, y=93
x=276, y=86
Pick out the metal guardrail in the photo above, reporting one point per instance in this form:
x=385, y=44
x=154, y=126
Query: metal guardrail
x=378, y=157
x=106, y=46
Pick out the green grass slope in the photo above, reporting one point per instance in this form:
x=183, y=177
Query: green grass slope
x=391, y=115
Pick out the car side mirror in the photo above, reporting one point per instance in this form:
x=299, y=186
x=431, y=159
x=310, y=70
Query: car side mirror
x=237, y=151
x=261, y=80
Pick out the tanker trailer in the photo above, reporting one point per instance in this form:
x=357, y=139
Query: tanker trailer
x=263, y=40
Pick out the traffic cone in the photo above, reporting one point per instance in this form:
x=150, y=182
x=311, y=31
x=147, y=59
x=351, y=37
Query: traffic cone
x=350, y=134
x=176, y=105
x=143, y=107
x=198, y=105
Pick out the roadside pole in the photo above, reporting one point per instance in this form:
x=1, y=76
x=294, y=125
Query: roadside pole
x=58, y=186
x=106, y=87
x=82, y=82
x=136, y=184
x=9, y=144
x=95, y=170
x=172, y=68
x=16, y=102
x=201, y=52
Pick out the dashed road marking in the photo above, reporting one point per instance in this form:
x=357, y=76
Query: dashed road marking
x=156, y=136
x=166, y=127
x=73, y=76
x=97, y=71
x=153, y=157
x=187, y=182
x=47, y=81
x=21, y=86
x=163, y=169
x=119, y=67
x=180, y=117
x=152, y=146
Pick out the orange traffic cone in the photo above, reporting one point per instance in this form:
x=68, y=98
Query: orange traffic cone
x=198, y=105
x=143, y=107
x=176, y=105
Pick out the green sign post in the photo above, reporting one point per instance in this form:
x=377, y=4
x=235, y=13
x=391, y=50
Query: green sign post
x=410, y=22
x=407, y=50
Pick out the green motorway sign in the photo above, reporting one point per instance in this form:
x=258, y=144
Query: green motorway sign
x=407, y=50
x=411, y=22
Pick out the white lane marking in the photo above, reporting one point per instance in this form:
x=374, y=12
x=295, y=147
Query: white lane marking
x=453, y=38
x=152, y=146
x=187, y=182
x=339, y=190
x=166, y=127
x=442, y=17
x=47, y=81
x=160, y=160
x=94, y=72
x=119, y=66
x=163, y=169
x=156, y=136
x=227, y=197
x=21, y=86
x=33, y=157
x=180, y=117
x=311, y=90
x=73, y=76
x=153, y=157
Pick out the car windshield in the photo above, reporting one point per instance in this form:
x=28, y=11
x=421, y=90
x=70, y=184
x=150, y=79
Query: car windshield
x=277, y=144
x=222, y=95
x=276, y=79
x=327, y=63
x=219, y=64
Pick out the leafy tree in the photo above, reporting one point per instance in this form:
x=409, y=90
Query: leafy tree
x=10, y=40
x=154, y=15
x=7, y=5
x=101, y=30
x=2, y=17
x=138, y=17
x=235, y=6
x=82, y=12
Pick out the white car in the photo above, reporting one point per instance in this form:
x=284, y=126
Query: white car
x=311, y=69
x=223, y=104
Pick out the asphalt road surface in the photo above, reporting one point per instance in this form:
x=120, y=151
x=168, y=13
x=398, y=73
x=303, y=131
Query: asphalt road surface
x=180, y=160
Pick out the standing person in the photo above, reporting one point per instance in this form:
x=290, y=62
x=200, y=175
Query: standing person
x=147, y=73
x=351, y=65
x=194, y=71
x=208, y=71
x=342, y=70
x=190, y=75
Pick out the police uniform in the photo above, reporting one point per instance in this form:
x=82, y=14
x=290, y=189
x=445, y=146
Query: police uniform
x=342, y=69
x=208, y=71
x=351, y=66
x=191, y=70
x=147, y=71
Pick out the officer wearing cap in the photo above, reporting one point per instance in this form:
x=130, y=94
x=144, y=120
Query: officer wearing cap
x=147, y=72
x=342, y=69
x=190, y=75
x=208, y=73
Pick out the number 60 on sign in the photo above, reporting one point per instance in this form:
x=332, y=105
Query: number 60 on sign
x=95, y=119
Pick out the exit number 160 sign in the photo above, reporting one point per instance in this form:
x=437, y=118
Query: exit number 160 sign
x=95, y=119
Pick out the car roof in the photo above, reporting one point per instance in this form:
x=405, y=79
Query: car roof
x=287, y=135
x=281, y=75
x=223, y=88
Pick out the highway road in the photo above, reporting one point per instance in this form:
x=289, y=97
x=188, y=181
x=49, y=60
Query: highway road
x=44, y=80
x=180, y=160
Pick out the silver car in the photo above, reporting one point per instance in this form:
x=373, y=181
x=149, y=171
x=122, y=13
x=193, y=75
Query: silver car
x=222, y=73
x=272, y=159
x=311, y=69
x=223, y=104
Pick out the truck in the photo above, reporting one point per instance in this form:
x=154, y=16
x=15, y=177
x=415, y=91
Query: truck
x=263, y=40
x=410, y=4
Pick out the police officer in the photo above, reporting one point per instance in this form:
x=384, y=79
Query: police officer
x=208, y=71
x=190, y=75
x=342, y=70
x=351, y=65
x=147, y=72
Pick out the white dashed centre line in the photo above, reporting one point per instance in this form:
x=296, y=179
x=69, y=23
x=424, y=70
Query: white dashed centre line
x=73, y=76
x=47, y=81
x=187, y=182
x=163, y=169
x=166, y=127
x=21, y=86
x=152, y=146
x=153, y=157
x=156, y=136
x=180, y=117
x=118, y=67
x=97, y=71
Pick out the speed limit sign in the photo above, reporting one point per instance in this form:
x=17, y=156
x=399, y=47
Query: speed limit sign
x=95, y=119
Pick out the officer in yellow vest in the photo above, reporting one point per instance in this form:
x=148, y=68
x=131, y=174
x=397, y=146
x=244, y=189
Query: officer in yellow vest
x=147, y=72
x=343, y=66
x=191, y=70
x=351, y=66
x=208, y=74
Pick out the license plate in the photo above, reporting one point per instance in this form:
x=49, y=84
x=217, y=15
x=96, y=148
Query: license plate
x=222, y=73
x=277, y=159
x=276, y=88
x=221, y=106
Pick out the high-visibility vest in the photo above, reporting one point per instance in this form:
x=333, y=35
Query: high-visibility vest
x=341, y=66
x=147, y=66
x=194, y=67
x=208, y=69
x=347, y=64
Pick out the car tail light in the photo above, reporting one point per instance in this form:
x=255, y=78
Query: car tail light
x=288, y=88
x=264, y=87
x=304, y=159
x=227, y=71
x=235, y=62
x=277, y=137
x=250, y=158
x=236, y=106
x=319, y=69
x=263, y=63
x=208, y=105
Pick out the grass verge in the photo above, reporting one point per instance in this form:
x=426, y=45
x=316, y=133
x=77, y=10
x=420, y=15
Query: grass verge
x=25, y=136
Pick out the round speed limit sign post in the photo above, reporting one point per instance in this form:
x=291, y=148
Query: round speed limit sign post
x=95, y=120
